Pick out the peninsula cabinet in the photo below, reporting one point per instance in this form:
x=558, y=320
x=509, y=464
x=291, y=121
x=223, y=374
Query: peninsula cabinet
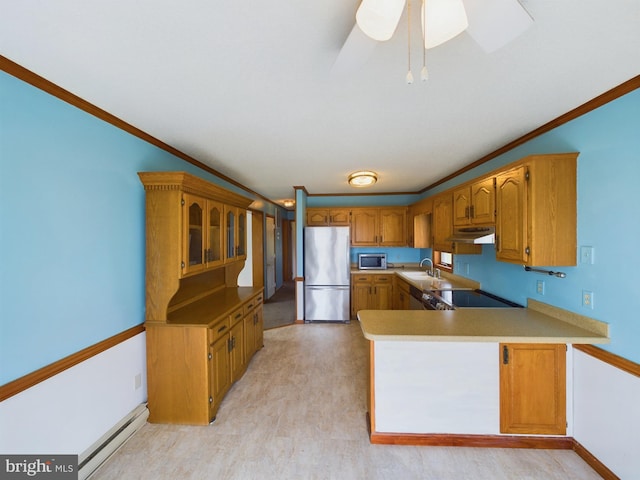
x=385, y=226
x=536, y=211
x=318, y=217
x=475, y=204
x=533, y=389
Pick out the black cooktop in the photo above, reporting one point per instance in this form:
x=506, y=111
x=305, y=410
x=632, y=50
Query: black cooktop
x=474, y=299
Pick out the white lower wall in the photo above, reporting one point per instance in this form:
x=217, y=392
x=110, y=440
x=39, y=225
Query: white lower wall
x=607, y=414
x=67, y=413
x=431, y=387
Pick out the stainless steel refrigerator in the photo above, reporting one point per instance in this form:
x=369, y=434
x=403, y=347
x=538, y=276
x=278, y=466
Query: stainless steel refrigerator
x=326, y=274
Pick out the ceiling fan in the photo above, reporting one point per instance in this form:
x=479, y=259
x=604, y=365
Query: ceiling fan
x=491, y=23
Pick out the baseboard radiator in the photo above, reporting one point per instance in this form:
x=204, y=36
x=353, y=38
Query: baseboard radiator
x=108, y=444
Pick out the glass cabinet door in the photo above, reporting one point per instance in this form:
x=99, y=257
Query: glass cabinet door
x=214, y=234
x=193, y=234
x=241, y=241
x=231, y=233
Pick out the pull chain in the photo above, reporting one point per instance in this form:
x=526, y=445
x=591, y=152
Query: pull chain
x=424, y=74
x=409, y=74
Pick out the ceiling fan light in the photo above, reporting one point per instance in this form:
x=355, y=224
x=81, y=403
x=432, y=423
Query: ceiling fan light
x=378, y=19
x=445, y=19
x=363, y=178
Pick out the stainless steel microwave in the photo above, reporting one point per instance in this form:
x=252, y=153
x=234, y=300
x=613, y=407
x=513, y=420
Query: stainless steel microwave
x=372, y=261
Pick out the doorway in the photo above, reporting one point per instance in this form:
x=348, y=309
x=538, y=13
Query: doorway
x=270, y=260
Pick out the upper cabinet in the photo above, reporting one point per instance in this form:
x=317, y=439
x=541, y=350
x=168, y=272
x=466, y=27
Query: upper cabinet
x=202, y=234
x=385, y=226
x=443, y=227
x=235, y=236
x=328, y=216
x=475, y=204
x=419, y=224
x=192, y=226
x=536, y=211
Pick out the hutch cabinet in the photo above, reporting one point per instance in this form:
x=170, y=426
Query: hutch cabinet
x=198, y=339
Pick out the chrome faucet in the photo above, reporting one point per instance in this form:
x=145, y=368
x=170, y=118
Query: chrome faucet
x=427, y=259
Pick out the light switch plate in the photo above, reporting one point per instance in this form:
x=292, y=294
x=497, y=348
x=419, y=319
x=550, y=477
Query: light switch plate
x=586, y=255
x=540, y=287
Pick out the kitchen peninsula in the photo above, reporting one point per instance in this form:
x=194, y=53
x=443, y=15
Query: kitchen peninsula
x=474, y=377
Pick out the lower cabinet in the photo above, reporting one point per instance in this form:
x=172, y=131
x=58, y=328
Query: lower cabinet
x=533, y=389
x=401, y=294
x=190, y=367
x=371, y=292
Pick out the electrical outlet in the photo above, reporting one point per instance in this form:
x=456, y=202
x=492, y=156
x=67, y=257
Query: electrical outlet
x=587, y=299
x=540, y=287
x=586, y=255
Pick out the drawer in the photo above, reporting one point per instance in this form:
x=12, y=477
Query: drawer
x=236, y=316
x=362, y=278
x=383, y=278
x=219, y=330
x=251, y=304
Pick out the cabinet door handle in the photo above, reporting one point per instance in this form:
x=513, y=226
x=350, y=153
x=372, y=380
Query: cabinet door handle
x=472, y=211
x=210, y=356
x=466, y=212
x=505, y=355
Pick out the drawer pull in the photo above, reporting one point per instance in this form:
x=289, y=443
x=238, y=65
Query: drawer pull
x=223, y=327
x=238, y=315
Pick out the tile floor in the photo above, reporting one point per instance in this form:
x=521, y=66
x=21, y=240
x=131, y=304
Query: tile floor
x=299, y=413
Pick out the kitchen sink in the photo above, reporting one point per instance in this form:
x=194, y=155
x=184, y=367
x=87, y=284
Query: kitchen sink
x=418, y=275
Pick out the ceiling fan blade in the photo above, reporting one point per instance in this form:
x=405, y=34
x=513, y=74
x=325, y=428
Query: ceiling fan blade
x=354, y=53
x=495, y=23
x=379, y=18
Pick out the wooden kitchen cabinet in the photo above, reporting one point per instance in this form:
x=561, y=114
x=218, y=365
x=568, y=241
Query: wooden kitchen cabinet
x=253, y=327
x=196, y=246
x=202, y=234
x=401, y=294
x=220, y=373
x=475, y=204
x=536, y=211
x=533, y=389
x=371, y=292
x=442, y=224
x=235, y=233
x=190, y=367
x=385, y=226
x=237, y=360
x=328, y=216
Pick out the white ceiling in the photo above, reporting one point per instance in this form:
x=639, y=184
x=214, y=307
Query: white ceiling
x=247, y=88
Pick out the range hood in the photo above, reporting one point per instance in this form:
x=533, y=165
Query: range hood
x=477, y=235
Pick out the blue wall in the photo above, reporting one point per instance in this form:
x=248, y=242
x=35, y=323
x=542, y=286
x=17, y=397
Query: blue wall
x=608, y=140
x=71, y=227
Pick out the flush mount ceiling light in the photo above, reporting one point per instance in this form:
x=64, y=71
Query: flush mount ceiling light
x=289, y=203
x=363, y=178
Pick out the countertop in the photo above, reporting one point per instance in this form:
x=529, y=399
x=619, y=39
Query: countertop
x=418, y=278
x=541, y=324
